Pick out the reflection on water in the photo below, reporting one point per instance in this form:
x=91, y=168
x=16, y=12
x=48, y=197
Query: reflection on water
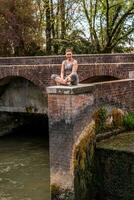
x=24, y=164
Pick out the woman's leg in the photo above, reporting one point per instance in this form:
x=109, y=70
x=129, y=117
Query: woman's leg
x=58, y=80
x=74, y=79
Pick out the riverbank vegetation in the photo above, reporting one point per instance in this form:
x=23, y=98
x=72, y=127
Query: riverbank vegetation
x=128, y=121
x=45, y=27
x=112, y=120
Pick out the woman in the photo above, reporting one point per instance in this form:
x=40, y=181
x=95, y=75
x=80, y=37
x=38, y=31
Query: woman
x=68, y=74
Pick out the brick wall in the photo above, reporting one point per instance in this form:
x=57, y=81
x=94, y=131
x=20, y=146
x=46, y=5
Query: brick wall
x=40, y=74
x=119, y=93
x=90, y=58
x=68, y=116
x=70, y=111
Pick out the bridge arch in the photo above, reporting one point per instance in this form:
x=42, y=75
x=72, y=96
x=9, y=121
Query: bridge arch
x=21, y=95
x=113, y=71
x=30, y=74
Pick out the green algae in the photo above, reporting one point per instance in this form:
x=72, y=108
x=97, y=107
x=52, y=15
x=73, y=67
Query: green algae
x=58, y=193
x=83, y=164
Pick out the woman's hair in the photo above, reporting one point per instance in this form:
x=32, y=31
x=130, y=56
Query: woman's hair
x=69, y=50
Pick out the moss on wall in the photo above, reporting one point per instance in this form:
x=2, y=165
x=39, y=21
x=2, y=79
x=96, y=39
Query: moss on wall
x=84, y=164
x=58, y=193
x=114, y=171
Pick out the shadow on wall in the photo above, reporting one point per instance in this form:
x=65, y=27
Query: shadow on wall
x=21, y=95
x=95, y=79
x=27, y=124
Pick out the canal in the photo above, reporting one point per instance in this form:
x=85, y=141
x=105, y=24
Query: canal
x=24, y=162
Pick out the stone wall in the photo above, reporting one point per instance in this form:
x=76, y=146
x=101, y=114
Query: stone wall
x=114, y=175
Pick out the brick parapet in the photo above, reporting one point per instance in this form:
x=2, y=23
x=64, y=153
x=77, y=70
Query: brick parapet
x=40, y=75
x=82, y=58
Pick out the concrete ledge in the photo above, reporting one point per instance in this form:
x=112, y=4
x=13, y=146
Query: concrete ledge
x=109, y=134
x=123, y=142
x=78, y=89
x=82, y=88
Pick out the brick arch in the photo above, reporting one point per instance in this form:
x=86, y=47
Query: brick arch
x=25, y=101
x=28, y=75
x=118, y=71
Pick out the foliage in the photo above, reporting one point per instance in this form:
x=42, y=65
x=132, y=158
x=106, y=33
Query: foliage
x=19, y=28
x=128, y=121
x=110, y=23
x=100, y=117
x=50, y=26
x=55, y=191
x=117, y=115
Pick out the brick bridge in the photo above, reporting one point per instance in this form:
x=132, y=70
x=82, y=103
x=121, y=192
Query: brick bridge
x=92, y=68
x=70, y=108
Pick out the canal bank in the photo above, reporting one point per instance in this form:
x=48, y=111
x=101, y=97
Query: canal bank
x=114, y=168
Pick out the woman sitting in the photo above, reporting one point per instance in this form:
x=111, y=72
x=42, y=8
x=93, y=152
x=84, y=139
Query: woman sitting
x=69, y=69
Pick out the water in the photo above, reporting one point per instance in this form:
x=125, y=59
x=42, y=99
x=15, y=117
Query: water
x=24, y=164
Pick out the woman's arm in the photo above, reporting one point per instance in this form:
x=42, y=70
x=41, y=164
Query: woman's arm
x=75, y=67
x=62, y=70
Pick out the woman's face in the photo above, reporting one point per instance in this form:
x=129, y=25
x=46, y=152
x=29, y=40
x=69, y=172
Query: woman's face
x=69, y=54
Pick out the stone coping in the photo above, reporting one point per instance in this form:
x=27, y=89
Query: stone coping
x=80, y=88
x=109, y=134
x=123, y=142
x=77, y=89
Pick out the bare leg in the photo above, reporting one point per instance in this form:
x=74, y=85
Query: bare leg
x=61, y=81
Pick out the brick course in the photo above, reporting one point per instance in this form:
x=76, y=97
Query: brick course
x=85, y=58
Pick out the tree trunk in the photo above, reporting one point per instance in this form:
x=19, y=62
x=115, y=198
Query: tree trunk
x=48, y=27
x=62, y=12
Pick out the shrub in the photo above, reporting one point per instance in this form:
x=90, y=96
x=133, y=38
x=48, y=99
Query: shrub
x=117, y=115
x=100, y=117
x=128, y=121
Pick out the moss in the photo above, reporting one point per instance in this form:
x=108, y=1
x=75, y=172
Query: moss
x=58, y=193
x=55, y=191
x=81, y=148
x=100, y=117
x=83, y=163
x=117, y=115
x=128, y=121
x=31, y=109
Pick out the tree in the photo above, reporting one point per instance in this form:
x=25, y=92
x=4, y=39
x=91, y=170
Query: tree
x=110, y=22
x=18, y=27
